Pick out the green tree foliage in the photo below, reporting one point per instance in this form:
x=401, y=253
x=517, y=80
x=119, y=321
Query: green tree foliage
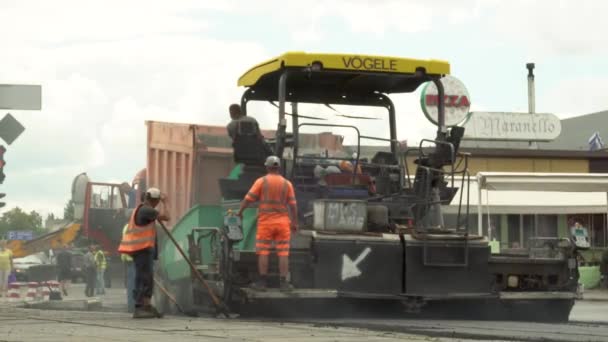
x=17, y=219
x=68, y=211
x=50, y=218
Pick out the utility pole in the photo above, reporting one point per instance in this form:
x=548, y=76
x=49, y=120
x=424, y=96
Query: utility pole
x=531, y=98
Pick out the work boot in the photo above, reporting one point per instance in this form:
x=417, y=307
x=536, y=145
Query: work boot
x=152, y=309
x=141, y=312
x=285, y=285
x=259, y=285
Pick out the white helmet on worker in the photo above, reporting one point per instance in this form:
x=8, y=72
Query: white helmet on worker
x=153, y=193
x=272, y=161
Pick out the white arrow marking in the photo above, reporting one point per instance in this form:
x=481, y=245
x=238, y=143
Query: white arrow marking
x=349, y=267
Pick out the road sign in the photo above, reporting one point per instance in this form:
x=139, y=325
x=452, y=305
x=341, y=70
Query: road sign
x=10, y=129
x=20, y=235
x=511, y=126
x=20, y=97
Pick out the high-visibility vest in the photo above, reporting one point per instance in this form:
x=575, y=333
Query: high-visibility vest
x=125, y=257
x=100, y=260
x=137, y=238
x=274, y=193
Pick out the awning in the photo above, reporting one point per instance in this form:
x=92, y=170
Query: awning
x=548, y=193
x=563, y=182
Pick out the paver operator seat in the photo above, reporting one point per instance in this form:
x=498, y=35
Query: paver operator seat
x=249, y=145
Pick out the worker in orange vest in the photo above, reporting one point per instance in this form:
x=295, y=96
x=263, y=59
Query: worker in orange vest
x=277, y=200
x=139, y=241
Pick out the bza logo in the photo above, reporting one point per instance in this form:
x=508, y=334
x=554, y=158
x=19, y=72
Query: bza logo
x=367, y=63
x=449, y=100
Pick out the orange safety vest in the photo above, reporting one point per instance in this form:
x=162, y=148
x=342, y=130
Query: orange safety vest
x=274, y=193
x=137, y=238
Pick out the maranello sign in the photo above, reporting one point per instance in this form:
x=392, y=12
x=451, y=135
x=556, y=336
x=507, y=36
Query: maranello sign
x=456, y=99
x=511, y=126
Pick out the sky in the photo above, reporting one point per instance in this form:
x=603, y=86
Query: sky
x=107, y=66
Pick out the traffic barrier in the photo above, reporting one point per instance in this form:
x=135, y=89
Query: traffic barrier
x=14, y=292
x=44, y=291
x=54, y=285
x=32, y=292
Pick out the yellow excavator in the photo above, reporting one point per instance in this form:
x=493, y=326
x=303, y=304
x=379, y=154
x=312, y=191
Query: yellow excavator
x=53, y=240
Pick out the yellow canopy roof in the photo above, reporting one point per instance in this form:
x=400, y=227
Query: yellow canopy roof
x=350, y=63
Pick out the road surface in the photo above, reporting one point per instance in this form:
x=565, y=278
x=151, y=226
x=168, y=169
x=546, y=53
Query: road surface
x=588, y=322
x=46, y=326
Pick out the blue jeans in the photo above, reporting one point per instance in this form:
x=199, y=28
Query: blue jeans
x=144, y=275
x=100, y=287
x=130, y=285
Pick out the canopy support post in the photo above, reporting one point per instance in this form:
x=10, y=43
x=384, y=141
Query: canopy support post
x=488, y=215
x=479, y=208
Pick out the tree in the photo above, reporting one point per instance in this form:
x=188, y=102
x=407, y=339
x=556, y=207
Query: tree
x=68, y=211
x=17, y=219
x=50, y=219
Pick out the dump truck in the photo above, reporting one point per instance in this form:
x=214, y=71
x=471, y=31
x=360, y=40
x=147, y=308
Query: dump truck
x=103, y=208
x=372, y=233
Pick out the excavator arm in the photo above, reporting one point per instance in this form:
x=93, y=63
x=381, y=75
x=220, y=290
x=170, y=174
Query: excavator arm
x=54, y=240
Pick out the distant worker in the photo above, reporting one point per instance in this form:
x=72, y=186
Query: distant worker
x=90, y=272
x=129, y=275
x=6, y=267
x=277, y=201
x=236, y=115
x=100, y=264
x=64, y=268
x=139, y=241
x=131, y=194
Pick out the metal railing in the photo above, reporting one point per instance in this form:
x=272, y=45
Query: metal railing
x=422, y=188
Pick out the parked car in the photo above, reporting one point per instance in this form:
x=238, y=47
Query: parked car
x=22, y=265
x=77, y=270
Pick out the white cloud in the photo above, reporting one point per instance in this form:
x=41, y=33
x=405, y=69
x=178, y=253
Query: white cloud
x=554, y=27
x=72, y=22
x=106, y=67
x=575, y=96
x=102, y=78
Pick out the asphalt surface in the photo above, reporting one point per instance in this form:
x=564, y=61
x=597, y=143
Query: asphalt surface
x=46, y=326
x=588, y=322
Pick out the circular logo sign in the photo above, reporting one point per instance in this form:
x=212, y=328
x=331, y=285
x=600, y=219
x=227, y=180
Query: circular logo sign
x=456, y=99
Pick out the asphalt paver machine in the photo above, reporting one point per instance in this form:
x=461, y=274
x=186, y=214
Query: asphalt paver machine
x=371, y=232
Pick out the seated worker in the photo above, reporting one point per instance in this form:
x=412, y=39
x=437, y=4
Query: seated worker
x=346, y=166
x=236, y=115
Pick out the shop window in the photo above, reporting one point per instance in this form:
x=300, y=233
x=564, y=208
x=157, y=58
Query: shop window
x=514, y=230
x=546, y=226
x=598, y=230
x=528, y=229
x=596, y=226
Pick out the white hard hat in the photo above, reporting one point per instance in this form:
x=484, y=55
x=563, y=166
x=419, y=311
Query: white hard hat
x=153, y=193
x=272, y=161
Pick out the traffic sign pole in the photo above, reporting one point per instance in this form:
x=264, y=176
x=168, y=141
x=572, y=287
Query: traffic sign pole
x=15, y=97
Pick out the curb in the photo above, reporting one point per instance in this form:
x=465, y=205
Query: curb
x=73, y=305
x=592, y=299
